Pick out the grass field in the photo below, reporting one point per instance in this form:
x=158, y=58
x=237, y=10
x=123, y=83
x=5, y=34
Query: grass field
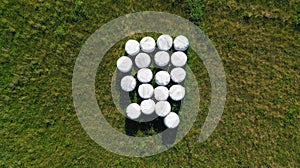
x=258, y=41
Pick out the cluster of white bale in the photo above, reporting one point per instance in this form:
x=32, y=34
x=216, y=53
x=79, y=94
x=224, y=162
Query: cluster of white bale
x=139, y=56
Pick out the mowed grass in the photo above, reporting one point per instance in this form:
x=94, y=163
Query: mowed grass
x=259, y=43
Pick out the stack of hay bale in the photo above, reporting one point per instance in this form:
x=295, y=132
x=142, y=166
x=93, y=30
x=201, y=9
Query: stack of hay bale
x=160, y=73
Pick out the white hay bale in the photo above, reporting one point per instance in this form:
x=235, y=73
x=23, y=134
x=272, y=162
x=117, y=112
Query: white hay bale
x=177, y=92
x=147, y=44
x=178, y=59
x=124, y=64
x=161, y=93
x=145, y=91
x=144, y=75
x=162, y=58
x=142, y=60
x=171, y=120
x=133, y=111
x=132, y=47
x=162, y=78
x=181, y=43
x=148, y=106
x=162, y=108
x=164, y=42
x=128, y=83
x=178, y=74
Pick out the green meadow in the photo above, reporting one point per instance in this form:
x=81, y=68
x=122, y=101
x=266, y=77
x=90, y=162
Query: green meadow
x=258, y=42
